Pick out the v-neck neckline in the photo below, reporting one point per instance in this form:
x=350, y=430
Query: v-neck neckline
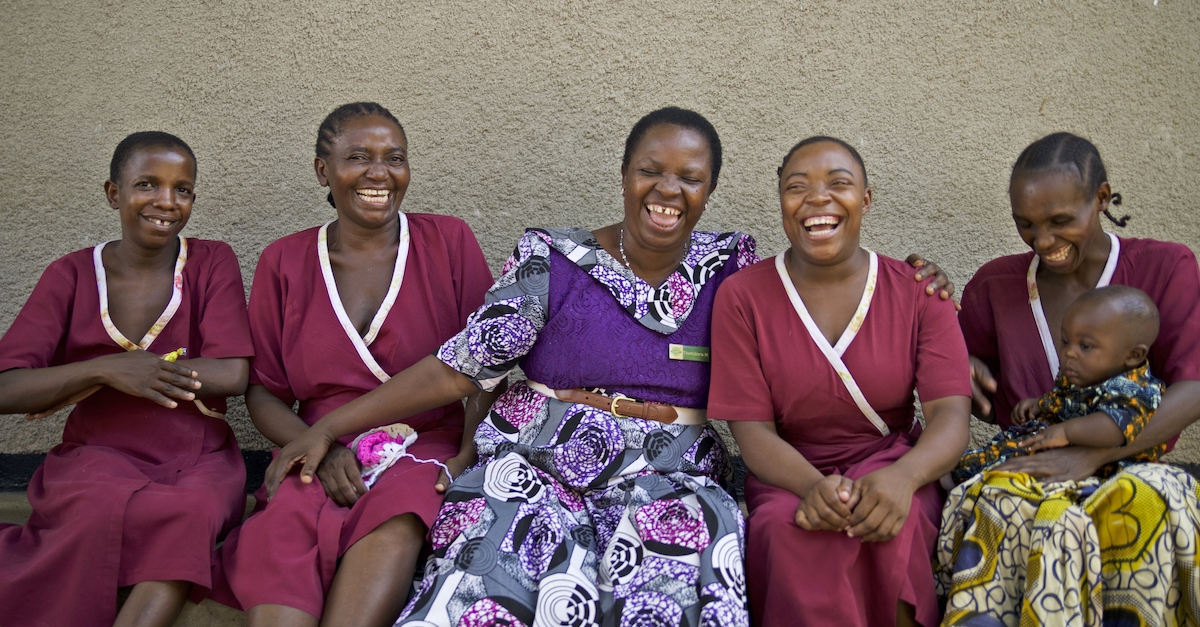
x=168, y=313
x=856, y=321
x=662, y=309
x=833, y=352
x=363, y=342
x=1039, y=314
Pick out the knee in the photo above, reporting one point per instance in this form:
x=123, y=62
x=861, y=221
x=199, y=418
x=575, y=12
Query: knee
x=397, y=535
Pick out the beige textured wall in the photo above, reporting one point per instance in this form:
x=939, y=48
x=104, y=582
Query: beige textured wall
x=517, y=112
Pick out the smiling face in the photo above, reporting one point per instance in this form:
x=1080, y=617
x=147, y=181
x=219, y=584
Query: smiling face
x=1094, y=345
x=366, y=171
x=666, y=187
x=823, y=195
x=1057, y=218
x=154, y=195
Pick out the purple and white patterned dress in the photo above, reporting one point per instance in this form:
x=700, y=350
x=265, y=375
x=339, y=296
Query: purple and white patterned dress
x=573, y=516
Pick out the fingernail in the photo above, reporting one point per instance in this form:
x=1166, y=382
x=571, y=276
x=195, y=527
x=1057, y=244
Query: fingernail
x=172, y=405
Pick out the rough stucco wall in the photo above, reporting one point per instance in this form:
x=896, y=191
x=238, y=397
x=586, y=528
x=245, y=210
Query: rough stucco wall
x=517, y=112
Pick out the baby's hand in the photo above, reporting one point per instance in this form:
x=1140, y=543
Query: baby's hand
x=1025, y=411
x=1054, y=436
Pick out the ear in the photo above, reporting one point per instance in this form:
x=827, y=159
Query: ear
x=1104, y=195
x=319, y=167
x=110, y=192
x=866, y=201
x=1136, y=355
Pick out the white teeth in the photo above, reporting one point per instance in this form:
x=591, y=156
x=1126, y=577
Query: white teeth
x=667, y=211
x=1058, y=255
x=373, y=193
x=159, y=222
x=818, y=220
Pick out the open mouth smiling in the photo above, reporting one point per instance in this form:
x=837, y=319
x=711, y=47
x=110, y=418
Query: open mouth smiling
x=663, y=216
x=821, y=225
x=374, y=195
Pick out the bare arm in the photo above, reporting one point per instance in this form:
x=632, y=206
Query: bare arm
x=425, y=385
x=272, y=417
x=778, y=463
x=220, y=378
x=478, y=405
x=138, y=373
x=1096, y=430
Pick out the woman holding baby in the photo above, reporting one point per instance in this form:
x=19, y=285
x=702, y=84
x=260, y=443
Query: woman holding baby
x=1039, y=539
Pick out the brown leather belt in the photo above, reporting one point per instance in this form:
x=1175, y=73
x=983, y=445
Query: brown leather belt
x=624, y=407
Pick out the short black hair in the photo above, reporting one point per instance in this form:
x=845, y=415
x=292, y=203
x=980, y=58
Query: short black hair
x=333, y=123
x=142, y=141
x=1070, y=153
x=1137, y=311
x=683, y=118
x=816, y=139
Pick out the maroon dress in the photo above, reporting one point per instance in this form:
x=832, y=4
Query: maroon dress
x=1001, y=329
x=768, y=367
x=136, y=491
x=286, y=553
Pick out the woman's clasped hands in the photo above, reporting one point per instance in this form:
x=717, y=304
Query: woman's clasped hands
x=873, y=508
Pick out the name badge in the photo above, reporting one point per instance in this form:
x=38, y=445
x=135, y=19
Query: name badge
x=683, y=352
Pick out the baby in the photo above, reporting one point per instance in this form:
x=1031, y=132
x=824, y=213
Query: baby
x=1104, y=394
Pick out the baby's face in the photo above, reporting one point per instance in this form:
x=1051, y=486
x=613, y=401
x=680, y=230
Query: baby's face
x=1093, y=347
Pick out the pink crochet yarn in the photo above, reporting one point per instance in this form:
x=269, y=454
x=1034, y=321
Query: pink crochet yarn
x=370, y=446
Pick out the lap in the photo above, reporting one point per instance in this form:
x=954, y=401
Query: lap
x=657, y=543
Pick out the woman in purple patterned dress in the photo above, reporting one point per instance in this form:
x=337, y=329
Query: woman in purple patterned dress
x=576, y=515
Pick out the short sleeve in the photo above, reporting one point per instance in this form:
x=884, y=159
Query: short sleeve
x=1175, y=355
x=747, y=252
x=224, y=327
x=1129, y=405
x=37, y=337
x=266, y=327
x=942, y=367
x=739, y=389
x=978, y=324
x=505, y=328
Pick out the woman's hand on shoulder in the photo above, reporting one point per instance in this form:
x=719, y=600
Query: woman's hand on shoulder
x=940, y=284
x=308, y=449
x=341, y=476
x=881, y=501
x=826, y=506
x=142, y=373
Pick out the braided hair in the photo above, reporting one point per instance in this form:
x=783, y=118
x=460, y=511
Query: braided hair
x=683, y=118
x=1067, y=152
x=333, y=124
x=144, y=140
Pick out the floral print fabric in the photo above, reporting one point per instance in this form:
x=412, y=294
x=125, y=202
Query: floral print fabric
x=575, y=517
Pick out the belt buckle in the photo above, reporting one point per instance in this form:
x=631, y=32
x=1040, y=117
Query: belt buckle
x=612, y=409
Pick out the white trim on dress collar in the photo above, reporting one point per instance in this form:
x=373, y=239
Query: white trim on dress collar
x=834, y=353
x=167, y=314
x=1035, y=301
x=361, y=343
